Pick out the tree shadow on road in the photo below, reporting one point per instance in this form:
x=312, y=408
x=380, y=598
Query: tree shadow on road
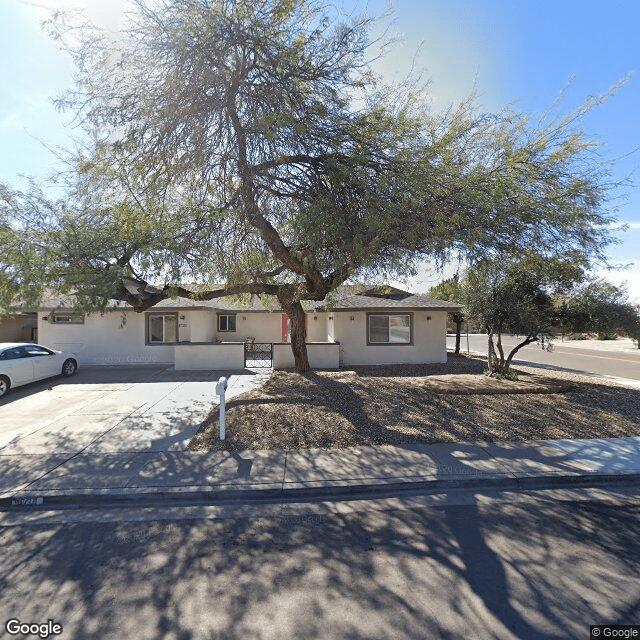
x=485, y=570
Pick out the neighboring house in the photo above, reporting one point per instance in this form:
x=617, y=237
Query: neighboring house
x=355, y=325
x=21, y=327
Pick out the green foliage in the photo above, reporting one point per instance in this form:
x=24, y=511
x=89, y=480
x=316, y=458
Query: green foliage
x=602, y=308
x=503, y=374
x=248, y=146
x=530, y=297
x=518, y=297
x=450, y=290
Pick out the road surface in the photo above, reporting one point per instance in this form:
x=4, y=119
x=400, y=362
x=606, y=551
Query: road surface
x=623, y=364
x=539, y=565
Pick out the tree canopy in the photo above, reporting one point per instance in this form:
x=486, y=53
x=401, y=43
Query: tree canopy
x=518, y=296
x=246, y=146
x=602, y=308
x=533, y=296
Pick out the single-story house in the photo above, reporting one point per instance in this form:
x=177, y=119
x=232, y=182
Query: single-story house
x=355, y=325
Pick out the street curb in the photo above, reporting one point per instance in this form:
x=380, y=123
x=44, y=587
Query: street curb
x=28, y=503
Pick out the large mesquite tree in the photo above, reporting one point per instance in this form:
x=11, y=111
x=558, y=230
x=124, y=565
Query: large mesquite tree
x=247, y=143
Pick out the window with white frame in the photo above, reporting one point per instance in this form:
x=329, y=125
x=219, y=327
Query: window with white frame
x=226, y=322
x=162, y=328
x=389, y=329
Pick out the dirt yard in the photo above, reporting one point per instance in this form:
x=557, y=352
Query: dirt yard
x=421, y=404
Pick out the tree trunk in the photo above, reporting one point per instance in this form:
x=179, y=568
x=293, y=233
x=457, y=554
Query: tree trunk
x=501, y=368
x=293, y=308
x=458, y=319
x=490, y=353
x=299, y=338
x=528, y=340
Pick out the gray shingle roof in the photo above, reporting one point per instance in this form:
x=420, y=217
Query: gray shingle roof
x=345, y=298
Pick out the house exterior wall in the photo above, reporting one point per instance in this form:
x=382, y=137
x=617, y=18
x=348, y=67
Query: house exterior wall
x=202, y=326
x=331, y=328
x=119, y=338
x=324, y=355
x=429, y=340
x=263, y=326
x=184, y=326
x=111, y=338
x=17, y=329
x=317, y=327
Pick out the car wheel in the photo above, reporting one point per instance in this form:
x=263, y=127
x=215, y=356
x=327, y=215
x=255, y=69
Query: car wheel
x=69, y=367
x=5, y=385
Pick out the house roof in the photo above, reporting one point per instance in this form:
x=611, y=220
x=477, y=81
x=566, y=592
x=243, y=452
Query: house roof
x=341, y=300
x=344, y=298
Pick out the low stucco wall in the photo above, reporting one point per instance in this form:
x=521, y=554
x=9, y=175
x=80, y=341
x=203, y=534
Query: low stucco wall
x=209, y=356
x=322, y=355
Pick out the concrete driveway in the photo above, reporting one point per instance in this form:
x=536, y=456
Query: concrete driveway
x=113, y=410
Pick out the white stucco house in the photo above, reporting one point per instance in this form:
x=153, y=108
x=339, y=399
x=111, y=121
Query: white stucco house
x=355, y=325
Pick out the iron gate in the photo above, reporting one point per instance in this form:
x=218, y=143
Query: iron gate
x=258, y=354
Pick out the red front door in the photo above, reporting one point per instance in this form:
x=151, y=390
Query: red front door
x=286, y=327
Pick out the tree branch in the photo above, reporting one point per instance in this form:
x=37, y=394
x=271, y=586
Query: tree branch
x=145, y=300
x=527, y=341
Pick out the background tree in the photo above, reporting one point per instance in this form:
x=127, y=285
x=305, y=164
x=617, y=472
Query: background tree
x=517, y=297
x=451, y=290
x=602, y=308
x=246, y=146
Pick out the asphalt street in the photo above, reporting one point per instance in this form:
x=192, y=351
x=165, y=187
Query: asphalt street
x=521, y=565
x=617, y=363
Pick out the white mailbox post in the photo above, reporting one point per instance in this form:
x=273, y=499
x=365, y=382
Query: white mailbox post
x=221, y=387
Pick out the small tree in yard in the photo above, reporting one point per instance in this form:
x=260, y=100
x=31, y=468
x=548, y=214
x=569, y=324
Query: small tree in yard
x=517, y=297
x=246, y=146
x=451, y=290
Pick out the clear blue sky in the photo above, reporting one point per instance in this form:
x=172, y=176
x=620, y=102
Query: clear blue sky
x=518, y=53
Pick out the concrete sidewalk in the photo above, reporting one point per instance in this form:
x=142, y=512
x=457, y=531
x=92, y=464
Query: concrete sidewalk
x=97, y=478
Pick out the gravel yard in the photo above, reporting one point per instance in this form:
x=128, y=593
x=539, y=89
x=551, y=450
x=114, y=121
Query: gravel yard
x=421, y=404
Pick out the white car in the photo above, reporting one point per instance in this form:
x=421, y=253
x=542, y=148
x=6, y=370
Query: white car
x=21, y=363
